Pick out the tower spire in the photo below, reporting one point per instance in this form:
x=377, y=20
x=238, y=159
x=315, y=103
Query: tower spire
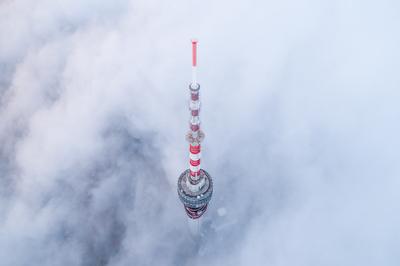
x=194, y=61
x=195, y=184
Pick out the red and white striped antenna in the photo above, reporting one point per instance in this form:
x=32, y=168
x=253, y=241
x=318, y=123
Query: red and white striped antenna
x=195, y=186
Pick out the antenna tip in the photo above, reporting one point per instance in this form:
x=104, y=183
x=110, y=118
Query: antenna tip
x=194, y=41
x=194, y=52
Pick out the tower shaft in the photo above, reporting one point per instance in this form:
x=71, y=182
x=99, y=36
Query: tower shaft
x=195, y=184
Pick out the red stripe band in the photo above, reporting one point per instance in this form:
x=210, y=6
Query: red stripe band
x=195, y=213
x=195, y=173
x=195, y=162
x=194, y=52
x=194, y=127
x=194, y=96
x=194, y=149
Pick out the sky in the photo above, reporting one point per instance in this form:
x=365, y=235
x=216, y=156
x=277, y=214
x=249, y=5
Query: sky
x=299, y=107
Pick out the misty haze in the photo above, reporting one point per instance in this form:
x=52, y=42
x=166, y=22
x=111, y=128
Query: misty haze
x=299, y=105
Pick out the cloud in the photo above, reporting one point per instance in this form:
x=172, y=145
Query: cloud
x=299, y=110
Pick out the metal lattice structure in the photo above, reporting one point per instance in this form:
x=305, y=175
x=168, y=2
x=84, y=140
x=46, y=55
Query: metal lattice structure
x=195, y=186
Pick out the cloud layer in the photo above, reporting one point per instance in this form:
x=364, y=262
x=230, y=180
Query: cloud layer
x=300, y=110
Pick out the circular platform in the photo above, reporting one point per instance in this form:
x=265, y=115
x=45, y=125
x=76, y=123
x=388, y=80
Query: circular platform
x=195, y=199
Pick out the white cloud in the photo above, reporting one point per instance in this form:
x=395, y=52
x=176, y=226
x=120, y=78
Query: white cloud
x=299, y=110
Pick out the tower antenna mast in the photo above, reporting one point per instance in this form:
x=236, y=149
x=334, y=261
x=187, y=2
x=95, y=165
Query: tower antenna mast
x=195, y=186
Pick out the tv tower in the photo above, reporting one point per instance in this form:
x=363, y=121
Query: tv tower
x=195, y=185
